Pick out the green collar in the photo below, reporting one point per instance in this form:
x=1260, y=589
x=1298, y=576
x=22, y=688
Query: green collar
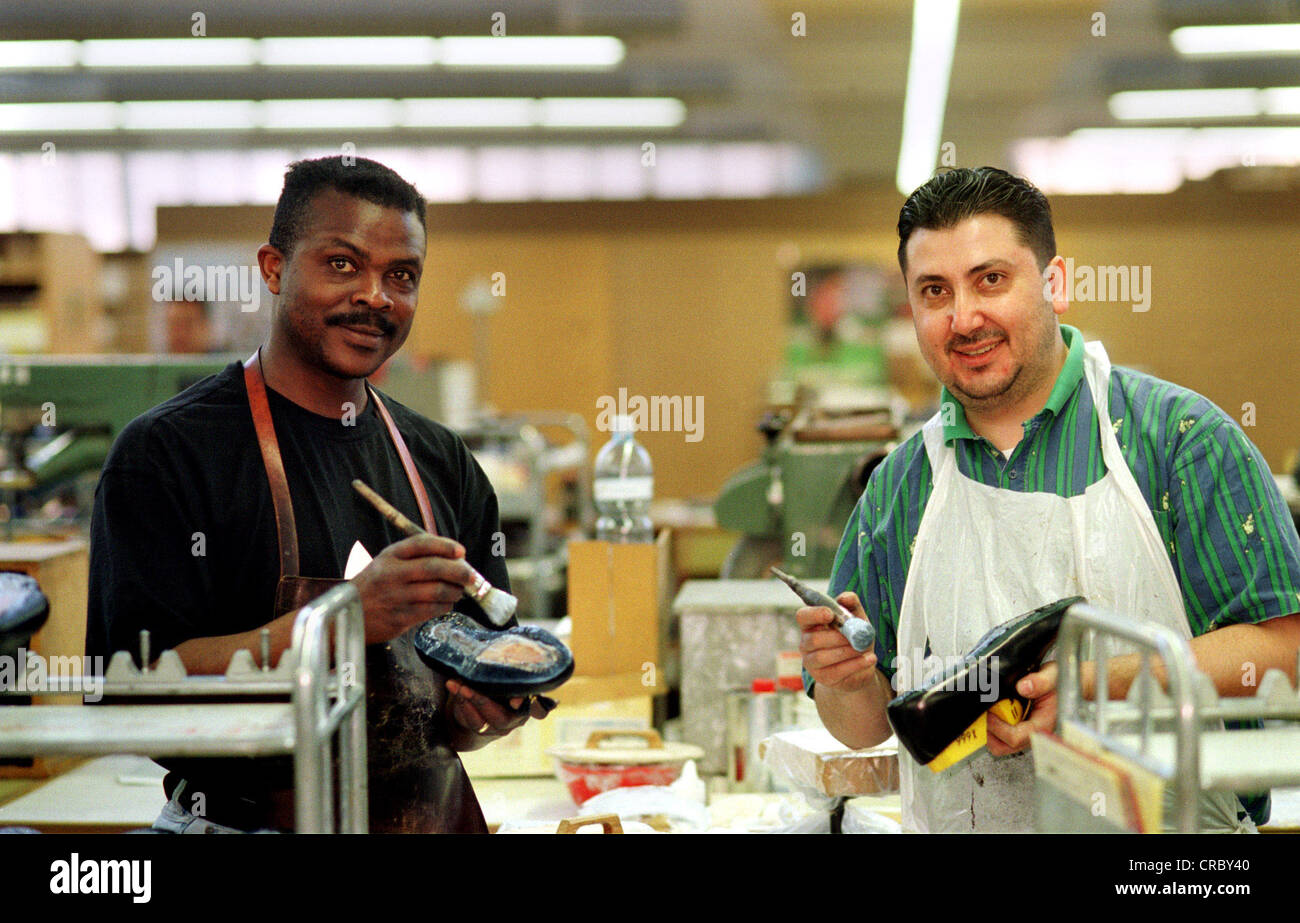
x=954, y=419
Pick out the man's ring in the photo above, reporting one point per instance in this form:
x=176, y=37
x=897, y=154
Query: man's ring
x=483, y=728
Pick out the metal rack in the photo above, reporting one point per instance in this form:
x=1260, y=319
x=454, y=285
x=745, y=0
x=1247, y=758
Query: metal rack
x=321, y=704
x=1166, y=732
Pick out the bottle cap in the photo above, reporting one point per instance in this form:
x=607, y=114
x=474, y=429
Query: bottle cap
x=762, y=685
x=793, y=683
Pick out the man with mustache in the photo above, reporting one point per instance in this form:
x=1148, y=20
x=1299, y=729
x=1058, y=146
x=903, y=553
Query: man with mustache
x=1047, y=473
x=225, y=509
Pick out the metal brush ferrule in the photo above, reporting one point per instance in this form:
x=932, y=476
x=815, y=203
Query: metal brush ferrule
x=479, y=588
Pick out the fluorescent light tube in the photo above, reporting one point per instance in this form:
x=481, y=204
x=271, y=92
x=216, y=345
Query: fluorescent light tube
x=1185, y=104
x=1245, y=41
x=369, y=51
x=613, y=112
x=588, y=51
x=934, y=38
x=1149, y=160
x=189, y=115
x=169, y=52
x=468, y=113
x=343, y=114
x=38, y=55
x=504, y=52
x=38, y=118
x=1282, y=101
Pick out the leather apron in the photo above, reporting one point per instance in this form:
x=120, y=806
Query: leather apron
x=417, y=782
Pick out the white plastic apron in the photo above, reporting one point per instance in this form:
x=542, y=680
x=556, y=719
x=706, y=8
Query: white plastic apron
x=984, y=555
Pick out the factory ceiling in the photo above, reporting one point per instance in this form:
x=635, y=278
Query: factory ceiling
x=827, y=75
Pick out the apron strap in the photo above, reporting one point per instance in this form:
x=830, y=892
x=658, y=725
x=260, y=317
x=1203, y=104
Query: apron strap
x=408, y=465
x=285, y=527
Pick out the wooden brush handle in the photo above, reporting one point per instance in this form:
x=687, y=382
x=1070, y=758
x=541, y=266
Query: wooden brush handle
x=479, y=586
x=386, y=509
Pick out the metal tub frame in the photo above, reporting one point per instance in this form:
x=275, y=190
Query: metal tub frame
x=1188, y=704
x=321, y=704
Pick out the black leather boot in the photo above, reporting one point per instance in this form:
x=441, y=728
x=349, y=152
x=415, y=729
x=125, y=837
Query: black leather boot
x=928, y=719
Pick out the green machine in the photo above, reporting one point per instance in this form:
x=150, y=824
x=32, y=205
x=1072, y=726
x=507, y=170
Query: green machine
x=792, y=504
x=59, y=415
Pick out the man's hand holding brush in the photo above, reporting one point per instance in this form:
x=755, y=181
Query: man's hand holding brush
x=410, y=582
x=422, y=577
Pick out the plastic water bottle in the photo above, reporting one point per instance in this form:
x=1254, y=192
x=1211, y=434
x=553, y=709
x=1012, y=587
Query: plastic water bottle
x=624, y=484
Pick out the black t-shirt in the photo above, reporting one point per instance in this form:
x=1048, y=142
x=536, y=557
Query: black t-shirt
x=183, y=539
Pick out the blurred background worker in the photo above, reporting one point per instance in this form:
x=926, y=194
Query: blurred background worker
x=188, y=326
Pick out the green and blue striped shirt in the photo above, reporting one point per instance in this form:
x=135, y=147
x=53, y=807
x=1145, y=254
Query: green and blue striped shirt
x=1228, y=532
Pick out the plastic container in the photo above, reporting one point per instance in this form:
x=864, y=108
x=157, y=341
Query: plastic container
x=597, y=766
x=737, y=729
x=623, y=487
x=764, y=719
x=789, y=689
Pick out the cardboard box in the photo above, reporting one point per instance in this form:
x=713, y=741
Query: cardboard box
x=617, y=597
x=618, y=600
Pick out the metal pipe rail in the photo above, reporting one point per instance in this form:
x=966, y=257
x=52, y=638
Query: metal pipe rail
x=1273, y=702
x=318, y=718
x=322, y=703
x=1082, y=620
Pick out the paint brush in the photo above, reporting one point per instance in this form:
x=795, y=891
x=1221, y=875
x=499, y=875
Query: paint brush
x=859, y=631
x=497, y=604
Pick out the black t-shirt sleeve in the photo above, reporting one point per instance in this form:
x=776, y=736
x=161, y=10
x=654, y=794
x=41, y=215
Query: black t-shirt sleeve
x=146, y=554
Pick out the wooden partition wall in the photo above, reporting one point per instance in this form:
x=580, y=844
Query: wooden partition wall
x=689, y=299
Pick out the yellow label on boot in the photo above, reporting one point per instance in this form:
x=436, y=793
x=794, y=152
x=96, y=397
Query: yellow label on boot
x=1009, y=710
x=966, y=743
x=977, y=735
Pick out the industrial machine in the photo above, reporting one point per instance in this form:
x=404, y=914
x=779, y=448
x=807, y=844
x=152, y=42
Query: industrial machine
x=59, y=415
x=791, y=505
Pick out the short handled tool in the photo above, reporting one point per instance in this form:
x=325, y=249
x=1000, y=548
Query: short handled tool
x=859, y=631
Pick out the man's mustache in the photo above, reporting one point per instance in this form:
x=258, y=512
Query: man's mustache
x=960, y=342
x=363, y=319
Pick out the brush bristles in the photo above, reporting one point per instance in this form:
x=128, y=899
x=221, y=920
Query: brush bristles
x=499, y=606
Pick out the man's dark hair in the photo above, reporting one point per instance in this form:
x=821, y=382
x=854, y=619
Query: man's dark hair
x=354, y=176
x=955, y=195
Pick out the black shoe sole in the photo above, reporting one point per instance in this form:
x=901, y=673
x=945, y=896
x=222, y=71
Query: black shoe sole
x=514, y=662
x=23, y=610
